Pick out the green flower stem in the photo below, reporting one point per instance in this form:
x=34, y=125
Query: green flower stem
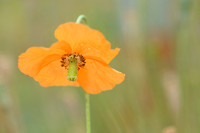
x=80, y=19
x=87, y=111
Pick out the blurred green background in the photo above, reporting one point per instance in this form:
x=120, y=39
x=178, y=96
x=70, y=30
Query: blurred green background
x=160, y=55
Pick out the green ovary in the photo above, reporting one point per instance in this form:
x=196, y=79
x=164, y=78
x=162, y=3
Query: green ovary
x=72, y=69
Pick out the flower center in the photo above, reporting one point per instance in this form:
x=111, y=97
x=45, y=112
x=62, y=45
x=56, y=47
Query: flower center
x=72, y=62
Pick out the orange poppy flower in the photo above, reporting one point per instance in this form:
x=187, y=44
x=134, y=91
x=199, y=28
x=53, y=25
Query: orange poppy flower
x=77, y=44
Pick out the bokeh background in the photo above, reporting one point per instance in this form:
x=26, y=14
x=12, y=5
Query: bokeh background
x=160, y=55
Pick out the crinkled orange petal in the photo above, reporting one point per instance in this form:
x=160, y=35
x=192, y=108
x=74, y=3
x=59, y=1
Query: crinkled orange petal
x=54, y=75
x=79, y=35
x=110, y=54
x=35, y=58
x=62, y=45
x=96, y=76
x=74, y=33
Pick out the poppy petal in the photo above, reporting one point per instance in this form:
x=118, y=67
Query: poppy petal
x=35, y=58
x=106, y=56
x=96, y=77
x=110, y=54
x=62, y=45
x=54, y=75
x=75, y=33
x=80, y=36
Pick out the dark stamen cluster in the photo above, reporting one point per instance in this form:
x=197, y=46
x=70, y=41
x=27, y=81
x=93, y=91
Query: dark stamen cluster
x=81, y=61
x=65, y=60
